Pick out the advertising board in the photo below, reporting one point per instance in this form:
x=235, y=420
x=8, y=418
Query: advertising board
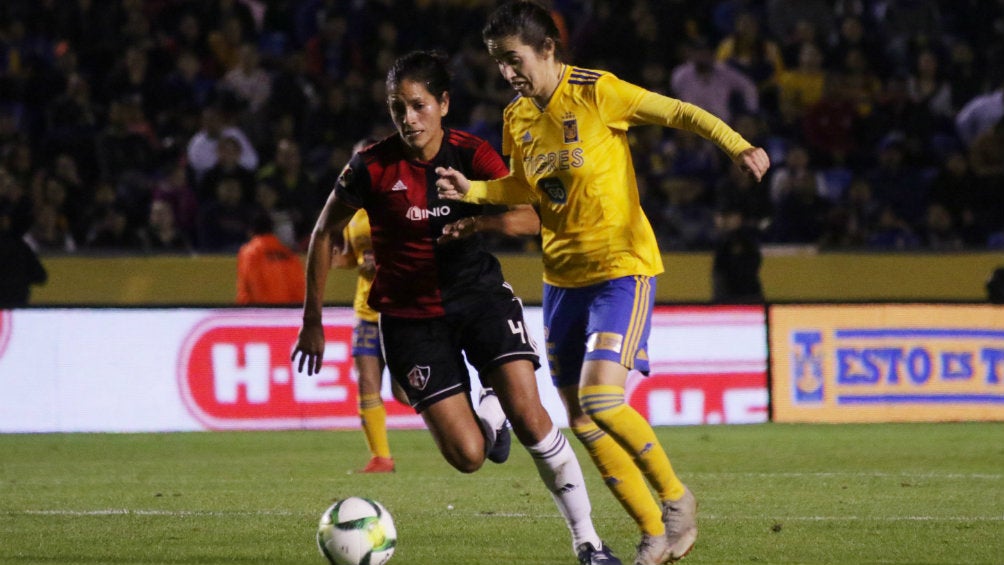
x=139, y=370
x=887, y=362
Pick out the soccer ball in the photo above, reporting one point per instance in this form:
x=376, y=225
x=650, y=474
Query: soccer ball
x=356, y=531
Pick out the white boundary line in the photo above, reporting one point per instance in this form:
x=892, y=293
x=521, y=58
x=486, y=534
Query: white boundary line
x=518, y=515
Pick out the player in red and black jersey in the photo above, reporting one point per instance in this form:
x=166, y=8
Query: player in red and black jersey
x=440, y=295
x=418, y=278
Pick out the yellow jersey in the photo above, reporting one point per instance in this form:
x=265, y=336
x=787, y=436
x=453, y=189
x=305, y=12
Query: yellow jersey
x=572, y=160
x=357, y=235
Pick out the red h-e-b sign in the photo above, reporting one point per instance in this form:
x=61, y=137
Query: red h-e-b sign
x=235, y=373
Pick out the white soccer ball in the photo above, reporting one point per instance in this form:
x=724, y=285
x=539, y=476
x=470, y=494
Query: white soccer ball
x=356, y=531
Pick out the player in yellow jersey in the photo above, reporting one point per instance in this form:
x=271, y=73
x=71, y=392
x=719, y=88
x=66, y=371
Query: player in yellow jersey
x=566, y=137
x=357, y=252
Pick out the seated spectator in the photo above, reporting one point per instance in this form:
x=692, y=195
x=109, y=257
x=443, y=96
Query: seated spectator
x=49, y=232
x=956, y=189
x=795, y=172
x=224, y=222
x=892, y=233
x=174, y=189
x=283, y=216
x=202, y=153
x=161, y=234
x=228, y=164
x=686, y=222
x=713, y=85
x=295, y=186
x=980, y=114
x=848, y=225
x=829, y=126
x=800, y=215
x=750, y=50
x=112, y=232
x=801, y=87
x=938, y=232
x=895, y=183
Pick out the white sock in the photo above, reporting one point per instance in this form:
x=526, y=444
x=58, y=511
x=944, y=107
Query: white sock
x=492, y=418
x=561, y=473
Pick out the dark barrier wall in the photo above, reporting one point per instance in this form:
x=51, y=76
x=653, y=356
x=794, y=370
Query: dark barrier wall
x=793, y=276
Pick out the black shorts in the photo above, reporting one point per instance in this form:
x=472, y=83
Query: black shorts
x=426, y=356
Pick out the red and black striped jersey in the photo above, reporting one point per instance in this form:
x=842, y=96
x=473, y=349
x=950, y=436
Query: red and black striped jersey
x=415, y=276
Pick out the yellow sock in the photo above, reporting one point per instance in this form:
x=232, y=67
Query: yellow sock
x=622, y=477
x=374, y=420
x=605, y=405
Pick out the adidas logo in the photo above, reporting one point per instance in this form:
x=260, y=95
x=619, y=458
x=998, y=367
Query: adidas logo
x=527, y=138
x=399, y=186
x=567, y=488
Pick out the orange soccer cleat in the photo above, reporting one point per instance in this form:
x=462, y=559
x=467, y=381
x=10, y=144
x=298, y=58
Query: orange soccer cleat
x=379, y=465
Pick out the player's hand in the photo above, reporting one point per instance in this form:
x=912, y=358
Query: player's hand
x=368, y=267
x=309, y=348
x=464, y=227
x=754, y=162
x=452, y=184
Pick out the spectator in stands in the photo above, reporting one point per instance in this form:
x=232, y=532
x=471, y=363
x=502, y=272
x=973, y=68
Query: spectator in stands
x=224, y=222
x=112, y=232
x=49, y=231
x=829, y=126
x=955, y=188
x=283, y=215
x=173, y=188
x=987, y=159
x=162, y=234
x=938, y=232
x=202, y=152
x=800, y=215
x=228, y=164
x=267, y=271
x=712, y=84
x=735, y=266
x=749, y=49
x=295, y=186
x=892, y=233
x=801, y=87
x=980, y=114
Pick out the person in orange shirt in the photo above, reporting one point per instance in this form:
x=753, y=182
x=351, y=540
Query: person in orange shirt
x=268, y=272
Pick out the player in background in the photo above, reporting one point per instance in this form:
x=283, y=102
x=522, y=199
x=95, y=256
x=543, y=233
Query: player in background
x=268, y=272
x=566, y=135
x=357, y=253
x=442, y=297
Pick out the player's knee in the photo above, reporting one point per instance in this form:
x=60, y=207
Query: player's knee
x=466, y=458
x=531, y=426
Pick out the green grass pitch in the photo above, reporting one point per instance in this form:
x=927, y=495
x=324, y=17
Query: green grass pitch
x=800, y=494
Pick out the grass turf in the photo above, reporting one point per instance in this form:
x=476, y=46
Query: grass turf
x=805, y=494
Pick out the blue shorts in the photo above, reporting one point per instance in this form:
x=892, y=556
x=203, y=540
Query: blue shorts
x=610, y=320
x=366, y=339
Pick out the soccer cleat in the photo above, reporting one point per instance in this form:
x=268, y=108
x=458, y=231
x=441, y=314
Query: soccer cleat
x=588, y=554
x=680, y=518
x=653, y=550
x=379, y=465
x=499, y=451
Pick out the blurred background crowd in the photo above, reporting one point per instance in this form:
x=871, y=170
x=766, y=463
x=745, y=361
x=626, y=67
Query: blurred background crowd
x=141, y=126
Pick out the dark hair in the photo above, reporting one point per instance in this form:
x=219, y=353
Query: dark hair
x=529, y=21
x=426, y=67
x=261, y=223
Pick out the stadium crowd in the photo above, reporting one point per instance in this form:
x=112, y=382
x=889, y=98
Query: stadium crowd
x=166, y=125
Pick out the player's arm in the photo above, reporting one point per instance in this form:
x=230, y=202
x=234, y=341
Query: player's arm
x=326, y=234
x=518, y=221
x=646, y=107
x=655, y=108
